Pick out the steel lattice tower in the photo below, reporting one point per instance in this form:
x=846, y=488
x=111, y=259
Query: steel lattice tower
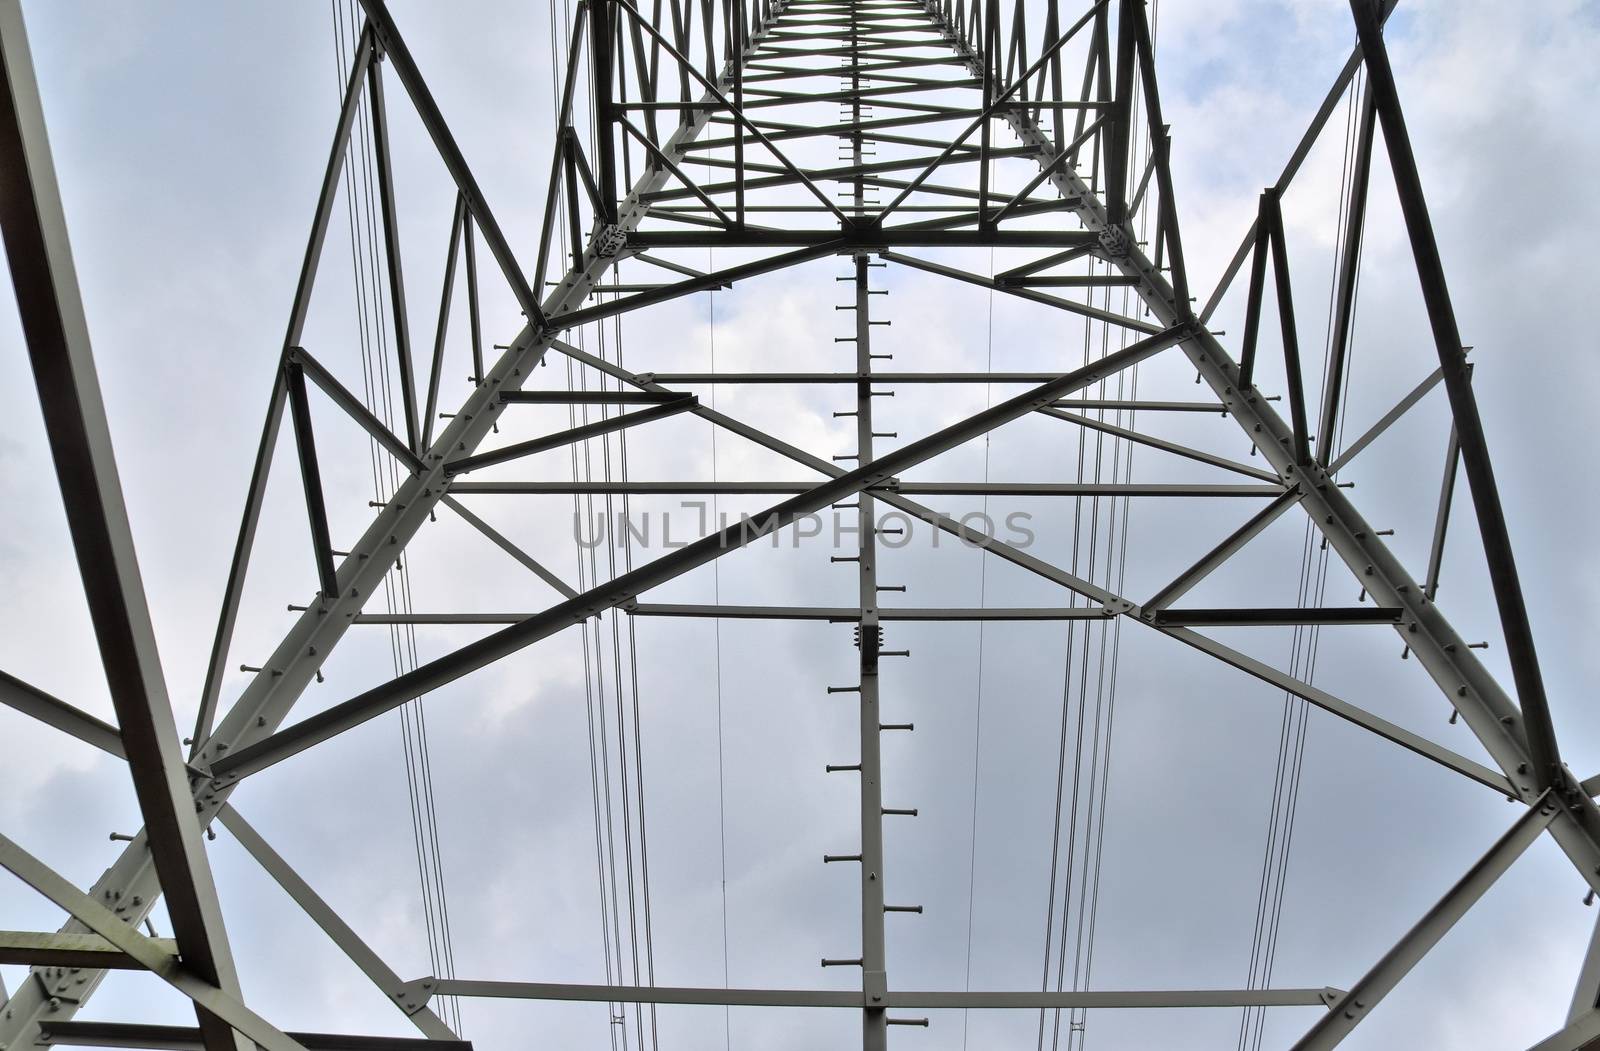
x=649, y=94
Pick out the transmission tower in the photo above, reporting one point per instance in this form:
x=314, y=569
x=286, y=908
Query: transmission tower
x=685, y=128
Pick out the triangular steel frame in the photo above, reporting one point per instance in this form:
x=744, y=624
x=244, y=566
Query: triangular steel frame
x=723, y=65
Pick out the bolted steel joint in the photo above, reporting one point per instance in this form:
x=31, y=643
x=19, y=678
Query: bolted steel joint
x=1115, y=242
x=413, y=996
x=609, y=240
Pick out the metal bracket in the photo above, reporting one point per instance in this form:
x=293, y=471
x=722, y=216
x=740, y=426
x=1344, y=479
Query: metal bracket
x=875, y=987
x=63, y=983
x=609, y=240
x=1115, y=242
x=414, y=995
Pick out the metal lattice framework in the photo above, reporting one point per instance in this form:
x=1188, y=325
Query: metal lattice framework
x=647, y=95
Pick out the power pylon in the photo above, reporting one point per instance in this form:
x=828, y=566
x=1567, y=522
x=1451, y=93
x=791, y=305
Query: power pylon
x=997, y=136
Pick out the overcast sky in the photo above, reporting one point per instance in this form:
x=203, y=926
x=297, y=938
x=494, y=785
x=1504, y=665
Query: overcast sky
x=190, y=140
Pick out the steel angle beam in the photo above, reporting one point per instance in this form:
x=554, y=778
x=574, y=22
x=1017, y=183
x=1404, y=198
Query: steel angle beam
x=52, y=949
x=57, y=336
x=186, y=1038
x=268, y=699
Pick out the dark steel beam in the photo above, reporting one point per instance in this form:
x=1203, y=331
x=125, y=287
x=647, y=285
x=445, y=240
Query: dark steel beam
x=475, y=321
x=951, y=999
x=1161, y=149
x=39, y=949
x=1520, y=649
x=1349, y=263
x=897, y=487
x=851, y=614
x=1116, y=150
x=1019, y=199
x=568, y=436
x=1229, y=546
x=1198, y=455
x=1288, y=615
x=388, y=212
x=582, y=397
x=1441, y=518
x=861, y=239
x=1070, y=305
x=602, y=44
x=185, y=1038
x=57, y=336
x=35, y=703
x=311, y=478
x=431, y=408
x=1258, y=279
x=341, y=396
x=1290, y=332
x=721, y=278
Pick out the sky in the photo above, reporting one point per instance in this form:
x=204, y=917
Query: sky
x=190, y=140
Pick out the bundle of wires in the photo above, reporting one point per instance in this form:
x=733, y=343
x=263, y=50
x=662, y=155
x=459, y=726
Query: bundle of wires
x=610, y=657
x=373, y=313
x=1099, y=544
x=1313, y=582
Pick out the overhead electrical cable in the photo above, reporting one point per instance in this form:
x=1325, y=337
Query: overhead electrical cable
x=1099, y=550
x=1303, y=654
x=977, y=719
x=367, y=261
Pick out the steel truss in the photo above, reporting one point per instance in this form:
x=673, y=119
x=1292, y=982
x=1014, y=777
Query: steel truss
x=663, y=93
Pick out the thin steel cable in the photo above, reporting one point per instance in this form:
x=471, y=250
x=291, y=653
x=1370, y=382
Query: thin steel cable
x=624, y=781
x=1121, y=466
x=581, y=466
x=1066, y=693
x=1107, y=662
x=1313, y=585
x=638, y=725
x=370, y=312
x=1129, y=448
x=1083, y=704
x=1310, y=669
x=716, y=589
x=977, y=721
